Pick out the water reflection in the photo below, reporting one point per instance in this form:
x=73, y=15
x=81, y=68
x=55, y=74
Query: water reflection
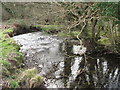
x=100, y=73
x=62, y=67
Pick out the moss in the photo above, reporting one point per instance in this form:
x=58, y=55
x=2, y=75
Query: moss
x=63, y=34
x=48, y=27
x=104, y=41
x=72, y=34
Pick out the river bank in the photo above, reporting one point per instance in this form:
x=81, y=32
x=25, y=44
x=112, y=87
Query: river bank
x=64, y=65
x=31, y=53
x=12, y=62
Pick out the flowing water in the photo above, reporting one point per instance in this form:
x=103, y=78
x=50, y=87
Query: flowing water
x=61, y=66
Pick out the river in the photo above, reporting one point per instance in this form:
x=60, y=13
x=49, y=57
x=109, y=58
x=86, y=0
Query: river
x=61, y=66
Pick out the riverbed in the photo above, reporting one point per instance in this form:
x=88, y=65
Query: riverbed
x=64, y=64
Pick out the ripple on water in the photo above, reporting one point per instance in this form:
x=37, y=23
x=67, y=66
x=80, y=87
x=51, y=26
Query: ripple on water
x=59, y=64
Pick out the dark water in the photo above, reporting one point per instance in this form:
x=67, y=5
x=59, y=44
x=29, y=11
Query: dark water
x=61, y=66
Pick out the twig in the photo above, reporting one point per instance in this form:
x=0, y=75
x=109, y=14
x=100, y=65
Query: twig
x=81, y=32
x=81, y=70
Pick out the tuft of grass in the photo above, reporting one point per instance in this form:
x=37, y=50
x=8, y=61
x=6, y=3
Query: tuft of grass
x=5, y=72
x=28, y=74
x=30, y=78
x=14, y=84
x=36, y=81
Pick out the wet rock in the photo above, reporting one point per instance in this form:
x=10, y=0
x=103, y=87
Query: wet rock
x=77, y=49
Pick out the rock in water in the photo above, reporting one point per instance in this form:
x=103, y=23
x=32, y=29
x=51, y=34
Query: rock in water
x=77, y=49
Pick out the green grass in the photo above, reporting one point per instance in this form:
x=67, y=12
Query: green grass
x=104, y=41
x=5, y=63
x=9, y=50
x=14, y=84
x=72, y=34
x=10, y=70
x=48, y=27
x=7, y=44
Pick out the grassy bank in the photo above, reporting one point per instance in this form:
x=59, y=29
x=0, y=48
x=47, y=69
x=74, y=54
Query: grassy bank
x=13, y=72
x=10, y=58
